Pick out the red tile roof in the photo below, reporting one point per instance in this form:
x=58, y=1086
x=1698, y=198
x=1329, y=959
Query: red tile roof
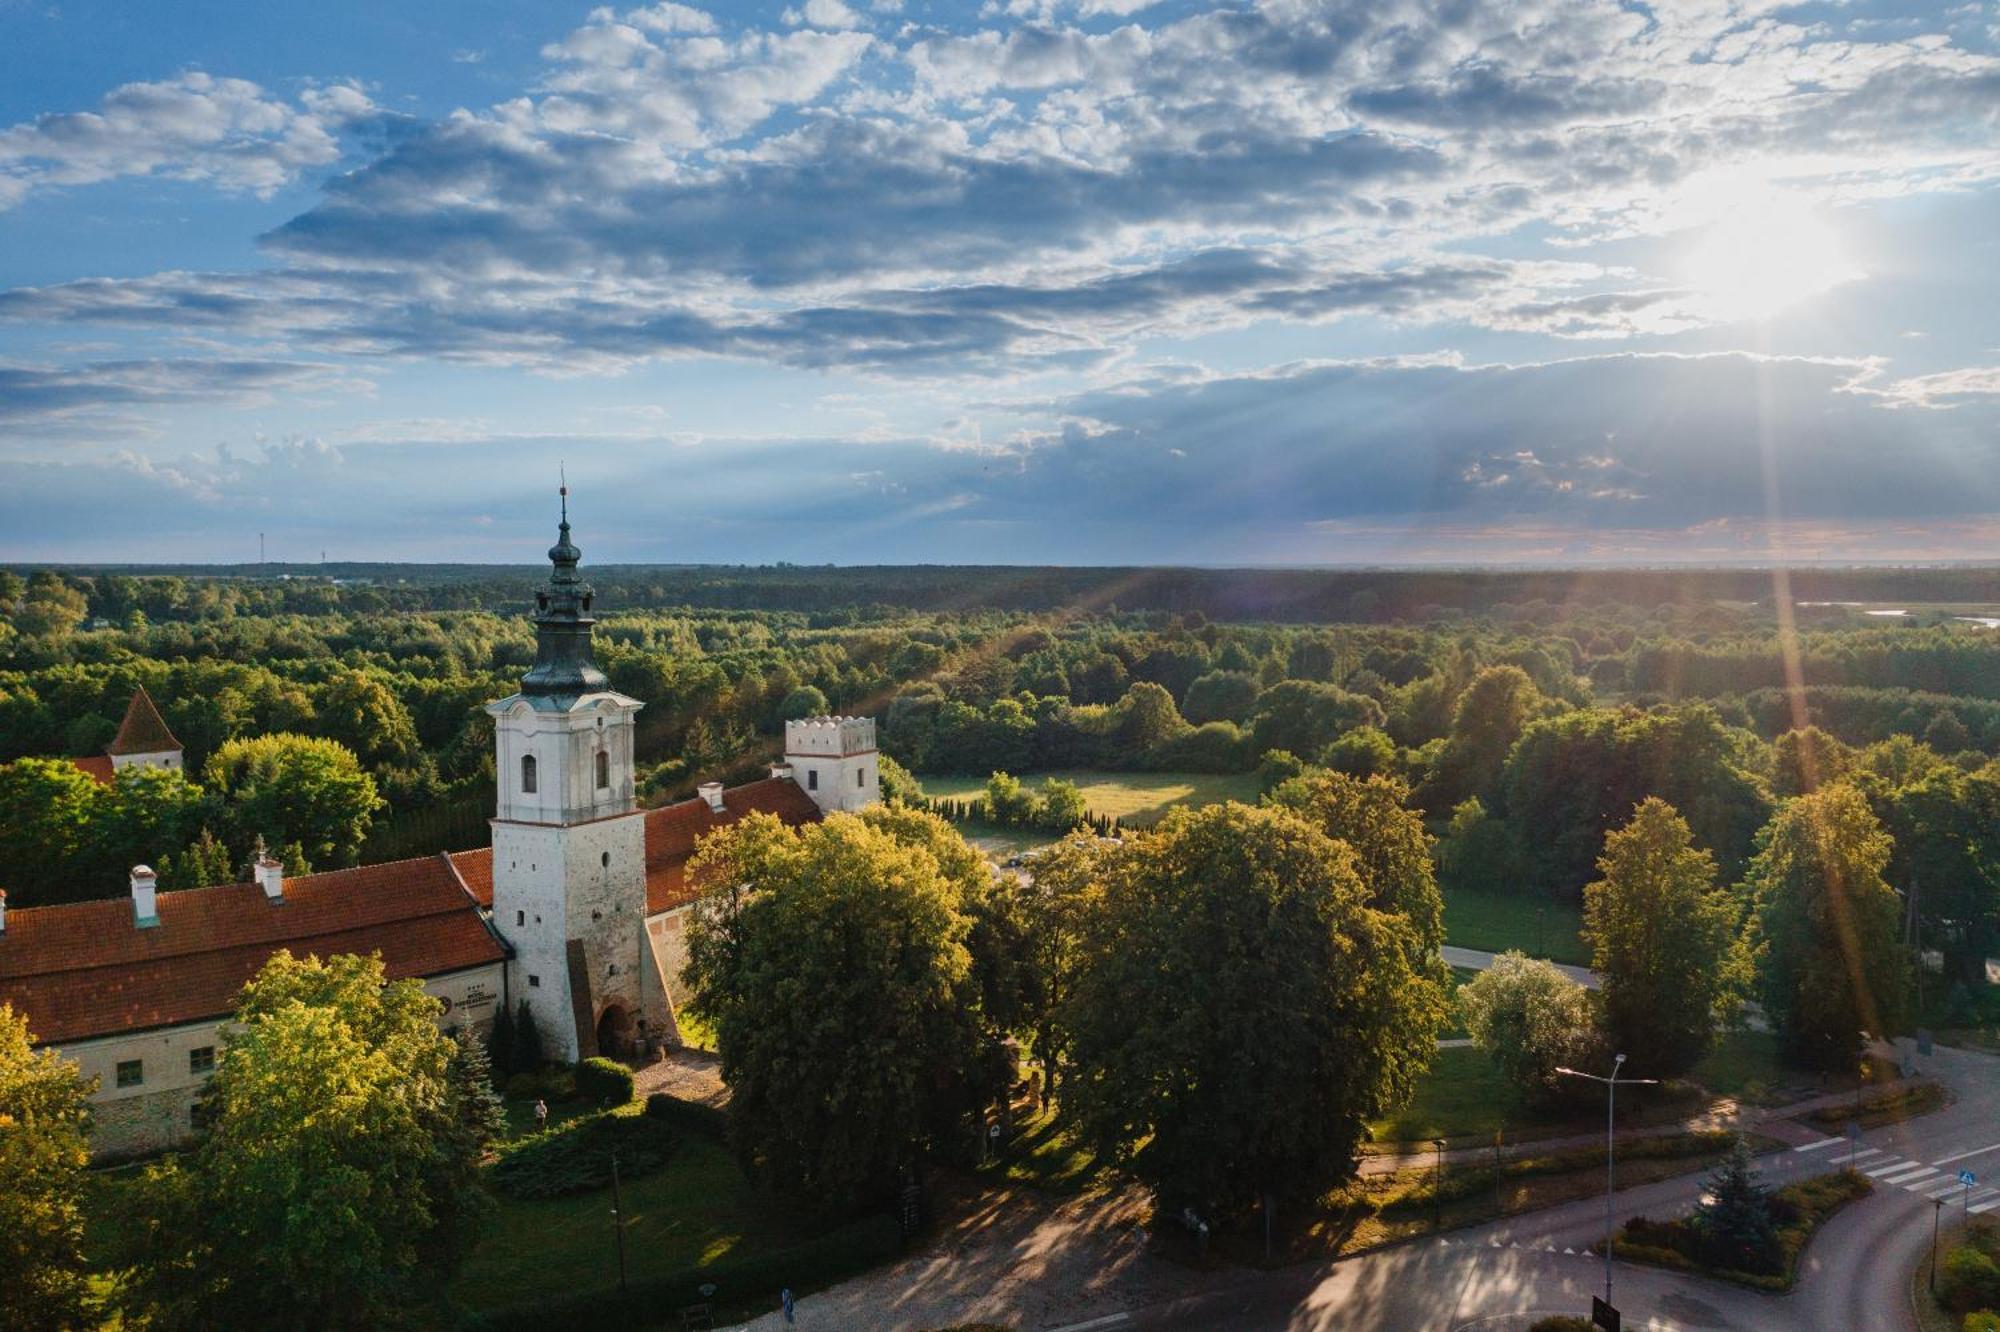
x=144, y=730
x=671, y=832
x=86, y=969
x=98, y=766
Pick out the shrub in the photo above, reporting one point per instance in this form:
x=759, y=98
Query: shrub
x=576, y=1157
x=604, y=1081
x=1984, y=1321
x=1970, y=1280
x=549, y=1084
x=693, y=1116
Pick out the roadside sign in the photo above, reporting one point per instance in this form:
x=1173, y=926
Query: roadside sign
x=1967, y=1178
x=1604, y=1316
x=1853, y=1129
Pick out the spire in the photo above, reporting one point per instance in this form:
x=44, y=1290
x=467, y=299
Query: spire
x=562, y=623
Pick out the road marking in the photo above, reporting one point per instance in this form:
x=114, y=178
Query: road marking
x=1938, y=1188
x=1966, y=1156
x=1815, y=1146
x=1977, y=1208
x=1987, y=1195
x=1867, y=1152
x=1569, y=1251
x=1908, y=1176
x=1109, y=1320
x=1889, y=1167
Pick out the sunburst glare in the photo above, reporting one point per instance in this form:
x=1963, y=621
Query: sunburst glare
x=1765, y=255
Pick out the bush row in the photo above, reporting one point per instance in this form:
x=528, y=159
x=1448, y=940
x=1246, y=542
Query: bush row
x=576, y=1157
x=832, y=1257
x=692, y=1116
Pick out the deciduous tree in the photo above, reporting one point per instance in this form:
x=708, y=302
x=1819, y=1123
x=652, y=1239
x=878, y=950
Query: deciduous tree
x=295, y=788
x=1531, y=1019
x=1661, y=936
x=43, y=1152
x=1240, y=1011
x=1823, y=933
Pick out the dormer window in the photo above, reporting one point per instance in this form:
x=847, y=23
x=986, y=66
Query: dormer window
x=603, y=771
x=528, y=774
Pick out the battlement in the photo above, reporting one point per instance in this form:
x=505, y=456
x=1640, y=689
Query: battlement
x=829, y=737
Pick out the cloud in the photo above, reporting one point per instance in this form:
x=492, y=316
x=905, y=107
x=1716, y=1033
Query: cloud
x=87, y=396
x=227, y=132
x=1601, y=457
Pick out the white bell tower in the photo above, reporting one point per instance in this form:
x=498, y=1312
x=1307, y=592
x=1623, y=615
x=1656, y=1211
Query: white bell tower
x=569, y=841
x=834, y=759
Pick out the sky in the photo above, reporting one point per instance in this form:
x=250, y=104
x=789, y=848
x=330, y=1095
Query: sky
x=1021, y=281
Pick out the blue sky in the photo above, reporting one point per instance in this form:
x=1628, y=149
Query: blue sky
x=1093, y=281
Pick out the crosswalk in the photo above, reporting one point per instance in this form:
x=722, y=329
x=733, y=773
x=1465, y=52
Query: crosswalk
x=1914, y=1176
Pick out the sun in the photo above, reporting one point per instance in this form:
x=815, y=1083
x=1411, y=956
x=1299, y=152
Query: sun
x=1762, y=256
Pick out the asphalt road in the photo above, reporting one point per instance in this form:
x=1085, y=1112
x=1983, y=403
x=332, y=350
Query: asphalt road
x=1498, y=1277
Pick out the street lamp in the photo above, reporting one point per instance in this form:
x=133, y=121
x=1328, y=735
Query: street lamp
x=1437, y=1187
x=1611, y=1086
x=1937, y=1210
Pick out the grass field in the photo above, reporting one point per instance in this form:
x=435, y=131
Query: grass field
x=1535, y=926
x=1138, y=798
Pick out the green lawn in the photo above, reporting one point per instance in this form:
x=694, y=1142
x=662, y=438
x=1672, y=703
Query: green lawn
x=700, y=1208
x=1535, y=926
x=1137, y=798
x=1463, y=1096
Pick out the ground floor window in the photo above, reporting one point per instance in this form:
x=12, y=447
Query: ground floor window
x=131, y=1072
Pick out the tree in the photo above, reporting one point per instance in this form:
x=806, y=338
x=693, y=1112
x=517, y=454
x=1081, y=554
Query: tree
x=359, y=710
x=1054, y=899
x=1304, y=717
x=1734, y=1218
x=1477, y=852
x=831, y=962
x=1490, y=715
x=1531, y=1019
x=1008, y=802
x=896, y=781
x=344, y=1134
x=1806, y=759
x=1363, y=752
x=1060, y=807
x=804, y=701
x=148, y=813
x=44, y=1148
x=294, y=788
x=203, y=863
x=500, y=1042
x=528, y=1048
x=1661, y=937
x=1146, y=718
x=1823, y=928
x=1221, y=696
x=1391, y=848
x=1946, y=859
x=49, y=810
x=1239, y=1012
x=51, y=610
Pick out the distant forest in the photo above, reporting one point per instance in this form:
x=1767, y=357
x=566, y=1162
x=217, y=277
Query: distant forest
x=340, y=716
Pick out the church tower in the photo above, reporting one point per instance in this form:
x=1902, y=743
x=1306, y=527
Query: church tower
x=569, y=841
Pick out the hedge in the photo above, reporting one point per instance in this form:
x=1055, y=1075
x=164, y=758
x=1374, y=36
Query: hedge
x=1801, y=1209
x=604, y=1081
x=832, y=1257
x=693, y=1116
x=576, y=1157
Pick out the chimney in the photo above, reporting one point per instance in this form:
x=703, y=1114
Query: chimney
x=270, y=875
x=782, y=770
x=712, y=793
x=144, y=913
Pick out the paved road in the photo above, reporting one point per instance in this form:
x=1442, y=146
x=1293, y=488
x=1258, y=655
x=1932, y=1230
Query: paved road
x=1474, y=960
x=1497, y=1277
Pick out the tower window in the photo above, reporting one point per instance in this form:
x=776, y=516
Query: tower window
x=812, y=779
x=528, y=774
x=534, y=982
x=603, y=770
x=861, y=776
x=520, y=918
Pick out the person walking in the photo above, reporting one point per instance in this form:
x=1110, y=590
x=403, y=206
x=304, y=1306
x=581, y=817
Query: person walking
x=541, y=1114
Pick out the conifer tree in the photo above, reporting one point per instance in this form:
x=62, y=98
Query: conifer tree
x=527, y=1041
x=500, y=1044
x=1734, y=1218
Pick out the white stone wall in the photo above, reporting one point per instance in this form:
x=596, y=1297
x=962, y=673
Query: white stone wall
x=834, y=761
x=668, y=933
x=565, y=746
x=553, y=884
x=165, y=758
x=157, y=1113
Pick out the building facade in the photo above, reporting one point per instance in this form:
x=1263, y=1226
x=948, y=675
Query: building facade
x=578, y=905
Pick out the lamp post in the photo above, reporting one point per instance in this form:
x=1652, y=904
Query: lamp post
x=1611, y=1086
x=1437, y=1187
x=1937, y=1210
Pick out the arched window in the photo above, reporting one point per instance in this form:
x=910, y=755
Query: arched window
x=603, y=770
x=528, y=773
